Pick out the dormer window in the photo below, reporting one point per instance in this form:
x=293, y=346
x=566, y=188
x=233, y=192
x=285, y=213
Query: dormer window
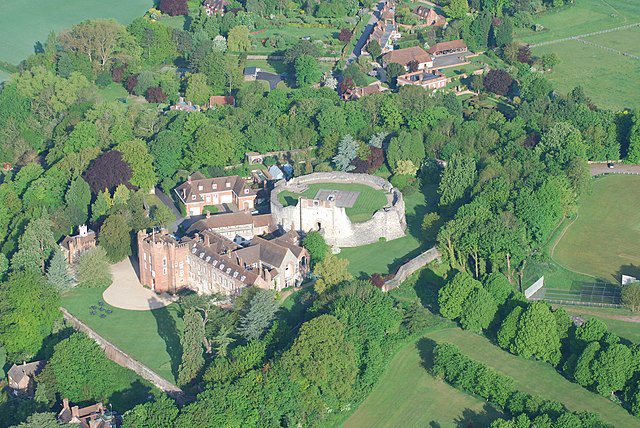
x=214, y=186
x=193, y=197
x=201, y=187
x=228, y=184
x=246, y=191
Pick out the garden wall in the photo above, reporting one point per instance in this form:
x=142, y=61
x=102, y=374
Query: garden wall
x=116, y=355
x=411, y=267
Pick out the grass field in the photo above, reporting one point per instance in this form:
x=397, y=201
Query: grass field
x=369, y=201
x=604, y=240
x=609, y=79
x=25, y=22
x=327, y=35
x=386, y=257
x=584, y=64
x=408, y=396
x=151, y=337
x=584, y=16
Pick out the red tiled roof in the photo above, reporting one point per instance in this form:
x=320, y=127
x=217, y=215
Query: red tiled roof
x=406, y=55
x=445, y=46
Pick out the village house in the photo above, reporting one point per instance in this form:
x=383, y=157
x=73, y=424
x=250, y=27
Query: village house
x=21, y=378
x=386, y=31
x=94, y=416
x=430, y=17
x=198, y=192
x=353, y=94
x=215, y=7
x=448, y=48
x=432, y=79
x=183, y=105
x=239, y=226
x=73, y=246
x=412, y=59
x=208, y=262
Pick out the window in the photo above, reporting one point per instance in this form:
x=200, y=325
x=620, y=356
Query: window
x=164, y=262
x=164, y=271
x=246, y=191
x=145, y=257
x=228, y=185
x=200, y=188
x=214, y=186
x=193, y=197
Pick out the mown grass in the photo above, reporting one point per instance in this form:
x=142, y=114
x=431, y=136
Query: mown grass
x=369, y=200
x=386, y=257
x=24, y=23
x=407, y=395
x=608, y=78
x=604, y=240
x=581, y=17
x=615, y=319
x=151, y=337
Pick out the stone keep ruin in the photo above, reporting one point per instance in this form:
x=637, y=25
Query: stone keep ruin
x=327, y=214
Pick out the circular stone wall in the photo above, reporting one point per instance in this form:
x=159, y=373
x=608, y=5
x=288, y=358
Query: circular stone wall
x=331, y=220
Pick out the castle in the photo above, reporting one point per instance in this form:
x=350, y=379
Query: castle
x=208, y=262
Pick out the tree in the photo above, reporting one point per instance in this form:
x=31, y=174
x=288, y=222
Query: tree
x=155, y=94
x=83, y=372
x=102, y=40
x=174, y=7
x=456, y=9
x=35, y=246
x=78, y=198
x=502, y=32
x=583, y=373
x=159, y=413
x=457, y=179
x=374, y=49
x=331, y=271
x=345, y=35
x=223, y=340
x=478, y=310
x=550, y=60
x=40, y=420
x=498, y=81
x=394, y=70
x=537, y=335
x=307, y=71
x=101, y=205
x=198, y=90
x=192, y=349
x=136, y=154
x=166, y=149
x=631, y=296
x=115, y=237
x=347, y=149
x=314, y=243
x=407, y=145
x=262, y=312
x=107, y=172
x=612, y=368
x=238, y=39
x=58, y=274
x=509, y=328
x=322, y=361
x=28, y=310
x=499, y=287
x=212, y=145
x=452, y=296
x=633, y=152
x=93, y=269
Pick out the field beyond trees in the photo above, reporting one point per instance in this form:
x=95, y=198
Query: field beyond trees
x=24, y=23
x=609, y=78
x=407, y=395
x=604, y=239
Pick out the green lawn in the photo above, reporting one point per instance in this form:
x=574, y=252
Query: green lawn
x=369, y=201
x=151, y=337
x=25, y=22
x=327, y=35
x=408, y=396
x=586, y=65
x=584, y=16
x=623, y=40
x=113, y=92
x=604, y=240
x=386, y=257
x=4, y=75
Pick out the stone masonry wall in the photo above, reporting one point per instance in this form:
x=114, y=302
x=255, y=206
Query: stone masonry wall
x=338, y=230
x=410, y=267
x=118, y=356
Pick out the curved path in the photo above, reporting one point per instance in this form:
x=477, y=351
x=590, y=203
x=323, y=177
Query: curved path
x=126, y=292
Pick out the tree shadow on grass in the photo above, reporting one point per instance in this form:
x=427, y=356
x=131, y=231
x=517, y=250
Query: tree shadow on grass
x=127, y=399
x=168, y=331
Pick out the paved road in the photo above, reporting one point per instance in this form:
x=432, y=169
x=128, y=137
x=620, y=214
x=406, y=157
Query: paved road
x=450, y=60
x=620, y=168
x=357, y=49
x=272, y=79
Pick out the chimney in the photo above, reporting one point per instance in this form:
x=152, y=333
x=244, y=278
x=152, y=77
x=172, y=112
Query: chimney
x=65, y=403
x=207, y=241
x=189, y=178
x=75, y=412
x=83, y=230
x=208, y=214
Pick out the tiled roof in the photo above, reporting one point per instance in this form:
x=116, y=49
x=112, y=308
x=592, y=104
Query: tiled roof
x=18, y=372
x=406, y=55
x=211, y=185
x=446, y=46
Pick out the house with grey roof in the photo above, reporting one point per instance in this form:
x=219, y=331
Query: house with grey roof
x=21, y=377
